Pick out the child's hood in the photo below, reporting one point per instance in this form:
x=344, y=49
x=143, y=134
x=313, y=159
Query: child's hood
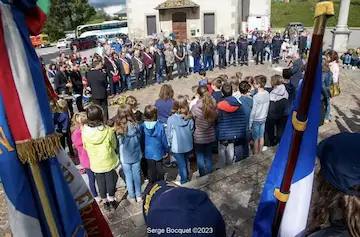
x=95, y=135
x=229, y=104
x=132, y=129
x=152, y=128
x=178, y=120
x=279, y=93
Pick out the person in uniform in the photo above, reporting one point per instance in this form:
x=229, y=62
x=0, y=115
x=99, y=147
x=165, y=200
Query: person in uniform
x=232, y=51
x=208, y=51
x=221, y=48
x=196, y=53
x=276, y=45
x=243, y=50
x=259, y=49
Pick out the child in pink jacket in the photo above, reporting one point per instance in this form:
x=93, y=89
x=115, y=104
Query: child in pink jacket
x=79, y=119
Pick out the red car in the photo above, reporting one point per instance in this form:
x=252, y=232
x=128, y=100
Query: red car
x=84, y=43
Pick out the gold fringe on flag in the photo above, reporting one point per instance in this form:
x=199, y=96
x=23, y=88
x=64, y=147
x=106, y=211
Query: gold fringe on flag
x=35, y=150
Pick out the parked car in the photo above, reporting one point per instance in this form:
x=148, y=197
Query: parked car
x=84, y=43
x=63, y=43
x=40, y=41
x=295, y=25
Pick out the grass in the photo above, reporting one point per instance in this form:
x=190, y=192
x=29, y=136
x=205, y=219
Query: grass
x=303, y=11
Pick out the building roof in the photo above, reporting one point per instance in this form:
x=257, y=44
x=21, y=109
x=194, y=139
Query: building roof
x=121, y=12
x=171, y=4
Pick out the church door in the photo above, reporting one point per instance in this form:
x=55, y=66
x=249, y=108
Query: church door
x=179, y=25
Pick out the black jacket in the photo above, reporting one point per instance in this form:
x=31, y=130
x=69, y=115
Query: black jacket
x=302, y=42
x=157, y=57
x=259, y=44
x=98, y=83
x=208, y=49
x=332, y=231
x=60, y=82
x=196, y=49
x=278, y=109
x=296, y=71
x=276, y=42
x=76, y=80
x=232, y=46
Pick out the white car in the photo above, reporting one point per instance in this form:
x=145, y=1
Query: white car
x=63, y=43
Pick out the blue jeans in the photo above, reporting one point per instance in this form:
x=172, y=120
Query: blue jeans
x=127, y=80
x=182, y=160
x=208, y=62
x=114, y=86
x=196, y=64
x=327, y=110
x=91, y=177
x=241, y=149
x=132, y=176
x=258, y=130
x=159, y=77
x=204, y=158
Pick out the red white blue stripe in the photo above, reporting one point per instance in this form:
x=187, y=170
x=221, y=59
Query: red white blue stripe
x=25, y=115
x=297, y=208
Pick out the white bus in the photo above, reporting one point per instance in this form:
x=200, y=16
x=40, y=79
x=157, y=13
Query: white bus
x=102, y=29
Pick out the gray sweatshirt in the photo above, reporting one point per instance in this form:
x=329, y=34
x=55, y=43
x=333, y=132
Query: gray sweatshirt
x=259, y=111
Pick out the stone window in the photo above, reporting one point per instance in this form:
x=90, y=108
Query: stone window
x=151, y=25
x=209, y=23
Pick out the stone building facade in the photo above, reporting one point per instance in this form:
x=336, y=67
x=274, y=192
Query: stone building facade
x=190, y=18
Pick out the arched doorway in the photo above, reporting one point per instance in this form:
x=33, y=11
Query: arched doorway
x=179, y=25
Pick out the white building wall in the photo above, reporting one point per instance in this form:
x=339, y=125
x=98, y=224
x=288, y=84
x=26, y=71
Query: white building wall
x=226, y=17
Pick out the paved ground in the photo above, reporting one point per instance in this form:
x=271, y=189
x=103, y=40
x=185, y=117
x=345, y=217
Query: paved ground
x=235, y=190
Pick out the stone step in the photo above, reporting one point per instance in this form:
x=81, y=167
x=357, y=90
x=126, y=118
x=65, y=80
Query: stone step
x=235, y=190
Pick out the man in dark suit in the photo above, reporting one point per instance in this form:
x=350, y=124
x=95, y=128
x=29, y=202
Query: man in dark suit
x=98, y=83
x=76, y=80
x=62, y=85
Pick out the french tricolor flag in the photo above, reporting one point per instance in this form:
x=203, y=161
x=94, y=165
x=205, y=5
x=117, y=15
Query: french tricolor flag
x=295, y=215
x=45, y=192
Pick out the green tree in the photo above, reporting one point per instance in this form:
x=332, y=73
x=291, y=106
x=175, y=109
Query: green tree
x=67, y=15
x=55, y=22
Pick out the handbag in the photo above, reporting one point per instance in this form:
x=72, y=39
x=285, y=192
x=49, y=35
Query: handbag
x=335, y=90
x=115, y=78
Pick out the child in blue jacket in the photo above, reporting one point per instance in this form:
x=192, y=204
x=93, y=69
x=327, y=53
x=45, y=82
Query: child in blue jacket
x=155, y=142
x=129, y=137
x=180, y=135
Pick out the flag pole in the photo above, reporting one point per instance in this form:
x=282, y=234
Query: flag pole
x=323, y=10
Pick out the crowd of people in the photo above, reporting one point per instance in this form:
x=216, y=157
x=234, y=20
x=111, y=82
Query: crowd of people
x=232, y=116
x=224, y=115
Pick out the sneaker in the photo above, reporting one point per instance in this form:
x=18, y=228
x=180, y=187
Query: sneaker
x=177, y=183
x=113, y=205
x=131, y=200
x=139, y=199
x=107, y=207
x=264, y=148
x=98, y=199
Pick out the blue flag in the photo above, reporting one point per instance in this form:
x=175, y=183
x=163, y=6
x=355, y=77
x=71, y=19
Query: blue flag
x=297, y=207
x=27, y=217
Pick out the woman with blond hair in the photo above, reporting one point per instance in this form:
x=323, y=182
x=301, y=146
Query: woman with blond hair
x=336, y=205
x=180, y=135
x=129, y=136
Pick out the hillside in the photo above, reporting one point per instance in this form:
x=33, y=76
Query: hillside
x=303, y=11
